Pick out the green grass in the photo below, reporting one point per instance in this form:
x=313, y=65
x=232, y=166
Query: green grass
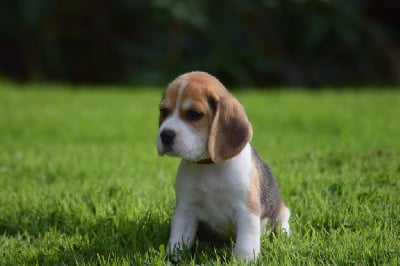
x=81, y=182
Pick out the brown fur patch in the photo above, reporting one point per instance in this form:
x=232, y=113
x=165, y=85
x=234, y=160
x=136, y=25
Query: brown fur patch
x=253, y=196
x=168, y=101
x=198, y=102
x=282, y=209
x=230, y=130
x=200, y=86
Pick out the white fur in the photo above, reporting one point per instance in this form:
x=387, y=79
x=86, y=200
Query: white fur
x=188, y=144
x=216, y=194
x=284, y=220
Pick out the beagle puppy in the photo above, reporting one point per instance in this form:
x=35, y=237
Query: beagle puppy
x=221, y=182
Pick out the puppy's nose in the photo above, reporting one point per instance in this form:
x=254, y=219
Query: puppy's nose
x=167, y=137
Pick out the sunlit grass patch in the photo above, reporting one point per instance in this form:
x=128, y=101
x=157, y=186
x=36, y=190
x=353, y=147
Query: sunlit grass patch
x=81, y=182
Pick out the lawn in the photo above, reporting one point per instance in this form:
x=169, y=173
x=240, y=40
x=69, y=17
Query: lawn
x=81, y=182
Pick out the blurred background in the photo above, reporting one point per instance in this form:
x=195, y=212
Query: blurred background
x=256, y=43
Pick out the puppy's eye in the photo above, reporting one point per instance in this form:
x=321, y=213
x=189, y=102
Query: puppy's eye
x=193, y=115
x=164, y=112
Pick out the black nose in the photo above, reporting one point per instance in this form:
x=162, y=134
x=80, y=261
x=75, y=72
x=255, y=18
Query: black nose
x=167, y=137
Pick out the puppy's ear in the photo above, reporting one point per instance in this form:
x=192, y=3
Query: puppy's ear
x=230, y=129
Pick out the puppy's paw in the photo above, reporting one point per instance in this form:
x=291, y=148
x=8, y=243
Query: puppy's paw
x=175, y=258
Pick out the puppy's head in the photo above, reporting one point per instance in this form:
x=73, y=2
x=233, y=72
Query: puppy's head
x=200, y=119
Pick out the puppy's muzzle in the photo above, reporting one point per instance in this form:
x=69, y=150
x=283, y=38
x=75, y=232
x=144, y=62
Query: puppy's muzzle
x=167, y=138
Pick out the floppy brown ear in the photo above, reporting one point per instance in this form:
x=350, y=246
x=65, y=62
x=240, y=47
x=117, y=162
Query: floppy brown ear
x=230, y=130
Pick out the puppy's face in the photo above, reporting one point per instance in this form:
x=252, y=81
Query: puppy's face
x=186, y=113
x=199, y=119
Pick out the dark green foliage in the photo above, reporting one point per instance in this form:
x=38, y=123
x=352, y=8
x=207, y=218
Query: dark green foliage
x=273, y=42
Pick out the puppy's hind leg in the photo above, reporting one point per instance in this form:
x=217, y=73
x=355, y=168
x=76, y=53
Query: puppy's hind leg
x=283, y=218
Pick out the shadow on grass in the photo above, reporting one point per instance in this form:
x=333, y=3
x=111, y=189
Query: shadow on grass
x=131, y=240
x=57, y=237
x=60, y=238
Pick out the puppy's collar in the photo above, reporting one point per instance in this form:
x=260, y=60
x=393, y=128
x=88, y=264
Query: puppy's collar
x=204, y=161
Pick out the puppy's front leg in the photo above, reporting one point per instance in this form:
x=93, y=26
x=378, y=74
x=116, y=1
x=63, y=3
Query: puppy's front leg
x=247, y=244
x=183, y=230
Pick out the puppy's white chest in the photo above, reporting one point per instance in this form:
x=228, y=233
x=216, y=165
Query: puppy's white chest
x=214, y=192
